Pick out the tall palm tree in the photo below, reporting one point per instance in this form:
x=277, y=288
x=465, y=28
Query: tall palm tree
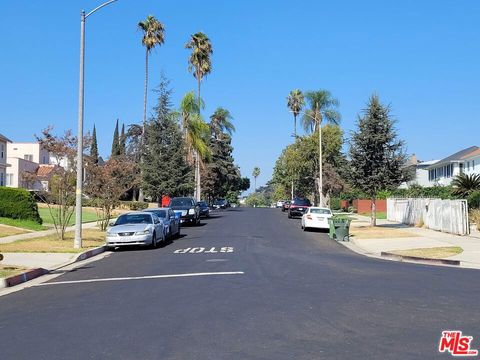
x=255, y=174
x=296, y=102
x=321, y=106
x=153, y=35
x=200, y=62
x=196, y=132
x=221, y=121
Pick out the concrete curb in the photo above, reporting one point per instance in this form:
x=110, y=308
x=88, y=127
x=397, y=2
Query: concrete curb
x=419, y=259
x=35, y=273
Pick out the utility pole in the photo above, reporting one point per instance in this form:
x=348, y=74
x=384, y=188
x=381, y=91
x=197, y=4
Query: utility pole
x=77, y=243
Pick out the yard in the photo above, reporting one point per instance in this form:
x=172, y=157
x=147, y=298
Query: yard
x=50, y=244
x=88, y=215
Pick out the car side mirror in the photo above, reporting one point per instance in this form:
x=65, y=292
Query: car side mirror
x=111, y=224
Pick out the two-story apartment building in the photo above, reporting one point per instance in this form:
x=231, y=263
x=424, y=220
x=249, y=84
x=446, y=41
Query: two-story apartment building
x=31, y=151
x=4, y=141
x=464, y=161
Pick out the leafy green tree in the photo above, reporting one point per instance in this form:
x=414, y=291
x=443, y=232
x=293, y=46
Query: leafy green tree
x=377, y=155
x=94, y=146
x=322, y=106
x=116, y=142
x=256, y=200
x=153, y=35
x=164, y=169
x=465, y=184
x=255, y=174
x=295, y=102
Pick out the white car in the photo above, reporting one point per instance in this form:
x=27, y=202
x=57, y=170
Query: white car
x=280, y=204
x=316, y=217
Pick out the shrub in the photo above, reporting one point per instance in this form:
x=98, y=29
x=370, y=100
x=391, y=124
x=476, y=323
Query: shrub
x=474, y=200
x=137, y=205
x=335, y=203
x=18, y=204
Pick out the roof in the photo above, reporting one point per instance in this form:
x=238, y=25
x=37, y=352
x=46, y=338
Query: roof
x=458, y=156
x=45, y=170
x=472, y=154
x=4, y=138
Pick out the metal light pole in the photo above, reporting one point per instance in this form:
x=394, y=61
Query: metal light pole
x=79, y=188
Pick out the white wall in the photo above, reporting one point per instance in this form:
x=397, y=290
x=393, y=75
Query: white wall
x=19, y=150
x=17, y=168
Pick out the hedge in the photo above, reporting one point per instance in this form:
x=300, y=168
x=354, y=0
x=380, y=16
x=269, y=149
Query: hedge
x=134, y=205
x=433, y=192
x=18, y=204
x=474, y=200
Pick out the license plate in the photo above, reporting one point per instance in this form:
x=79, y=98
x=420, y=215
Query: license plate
x=300, y=209
x=182, y=221
x=321, y=218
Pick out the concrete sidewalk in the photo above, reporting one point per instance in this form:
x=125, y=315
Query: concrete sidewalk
x=421, y=238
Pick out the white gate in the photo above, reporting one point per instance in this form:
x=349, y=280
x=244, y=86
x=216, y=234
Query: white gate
x=449, y=216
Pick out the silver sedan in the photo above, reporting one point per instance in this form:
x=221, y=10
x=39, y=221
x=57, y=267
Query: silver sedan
x=135, y=228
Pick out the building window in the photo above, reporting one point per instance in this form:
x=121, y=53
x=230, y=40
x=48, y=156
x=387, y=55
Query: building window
x=3, y=151
x=28, y=157
x=1, y=179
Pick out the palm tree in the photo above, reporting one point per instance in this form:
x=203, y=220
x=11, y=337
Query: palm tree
x=221, y=121
x=196, y=133
x=464, y=184
x=296, y=102
x=322, y=106
x=255, y=174
x=153, y=35
x=199, y=63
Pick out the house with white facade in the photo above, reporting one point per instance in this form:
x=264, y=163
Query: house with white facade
x=4, y=141
x=31, y=151
x=419, y=172
x=466, y=161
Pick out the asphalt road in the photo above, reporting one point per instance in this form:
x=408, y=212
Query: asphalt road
x=272, y=292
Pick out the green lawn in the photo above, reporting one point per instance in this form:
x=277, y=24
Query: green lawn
x=87, y=216
x=380, y=215
x=25, y=224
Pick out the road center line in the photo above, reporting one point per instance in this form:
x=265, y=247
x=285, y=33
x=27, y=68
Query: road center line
x=144, y=277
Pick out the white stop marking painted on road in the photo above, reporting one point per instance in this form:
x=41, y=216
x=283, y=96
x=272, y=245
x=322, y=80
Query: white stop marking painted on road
x=200, y=250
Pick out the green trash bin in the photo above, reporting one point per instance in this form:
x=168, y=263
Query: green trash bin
x=339, y=229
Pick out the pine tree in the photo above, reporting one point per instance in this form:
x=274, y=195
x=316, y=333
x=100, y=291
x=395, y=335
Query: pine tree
x=115, y=142
x=164, y=167
x=122, y=141
x=377, y=155
x=94, y=147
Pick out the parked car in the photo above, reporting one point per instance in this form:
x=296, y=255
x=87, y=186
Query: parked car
x=220, y=204
x=280, y=204
x=286, y=205
x=135, y=228
x=170, y=220
x=316, y=217
x=204, y=209
x=190, y=211
x=298, y=207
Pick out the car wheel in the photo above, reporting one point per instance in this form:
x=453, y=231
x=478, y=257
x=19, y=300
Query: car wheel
x=304, y=228
x=177, y=236
x=198, y=221
x=154, y=241
x=289, y=215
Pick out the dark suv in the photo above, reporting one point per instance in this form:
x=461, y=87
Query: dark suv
x=298, y=207
x=189, y=209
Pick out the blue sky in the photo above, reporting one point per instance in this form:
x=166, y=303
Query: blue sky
x=420, y=56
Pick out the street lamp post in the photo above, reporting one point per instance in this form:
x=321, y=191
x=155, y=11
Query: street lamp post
x=79, y=187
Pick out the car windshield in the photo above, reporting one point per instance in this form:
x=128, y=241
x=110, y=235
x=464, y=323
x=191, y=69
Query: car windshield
x=202, y=203
x=321, y=211
x=181, y=202
x=304, y=202
x=159, y=213
x=134, y=219
x=219, y=202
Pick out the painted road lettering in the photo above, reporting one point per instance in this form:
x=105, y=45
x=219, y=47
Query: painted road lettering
x=200, y=250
